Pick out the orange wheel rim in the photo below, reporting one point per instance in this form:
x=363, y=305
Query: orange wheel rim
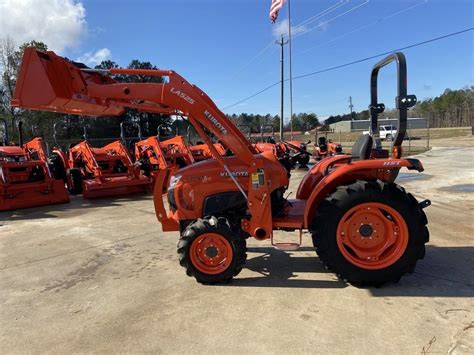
x=372, y=235
x=211, y=253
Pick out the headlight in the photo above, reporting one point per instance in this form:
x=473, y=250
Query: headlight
x=174, y=180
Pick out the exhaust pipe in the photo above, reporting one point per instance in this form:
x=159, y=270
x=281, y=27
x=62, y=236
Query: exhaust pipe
x=20, y=133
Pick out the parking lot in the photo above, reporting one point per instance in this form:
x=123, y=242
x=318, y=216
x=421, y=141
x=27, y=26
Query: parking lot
x=101, y=276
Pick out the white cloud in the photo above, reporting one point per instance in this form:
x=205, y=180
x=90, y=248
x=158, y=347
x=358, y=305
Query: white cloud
x=281, y=28
x=92, y=59
x=59, y=23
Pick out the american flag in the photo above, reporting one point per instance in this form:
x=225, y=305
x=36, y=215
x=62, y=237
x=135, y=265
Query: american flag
x=275, y=7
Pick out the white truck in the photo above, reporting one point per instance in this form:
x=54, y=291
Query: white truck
x=386, y=132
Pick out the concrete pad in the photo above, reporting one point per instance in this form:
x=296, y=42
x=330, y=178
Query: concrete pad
x=101, y=276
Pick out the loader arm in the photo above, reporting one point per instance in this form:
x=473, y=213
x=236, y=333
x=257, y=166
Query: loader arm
x=51, y=83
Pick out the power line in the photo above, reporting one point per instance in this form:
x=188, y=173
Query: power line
x=352, y=63
x=376, y=22
x=302, y=24
x=332, y=8
x=252, y=96
x=324, y=23
x=382, y=54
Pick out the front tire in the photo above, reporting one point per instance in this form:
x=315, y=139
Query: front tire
x=211, y=251
x=74, y=178
x=370, y=233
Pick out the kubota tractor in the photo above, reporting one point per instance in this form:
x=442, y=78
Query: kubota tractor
x=326, y=148
x=298, y=153
x=25, y=177
x=151, y=156
x=365, y=227
x=98, y=172
x=269, y=144
x=201, y=151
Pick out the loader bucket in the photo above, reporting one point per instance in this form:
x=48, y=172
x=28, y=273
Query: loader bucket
x=50, y=83
x=116, y=186
x=30, y=195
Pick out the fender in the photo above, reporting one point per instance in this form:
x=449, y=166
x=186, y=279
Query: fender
x=334, y=176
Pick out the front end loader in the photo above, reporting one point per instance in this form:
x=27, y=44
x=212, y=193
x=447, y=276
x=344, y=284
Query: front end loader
x=25, y=177
x=98, y=172
x=367, y=229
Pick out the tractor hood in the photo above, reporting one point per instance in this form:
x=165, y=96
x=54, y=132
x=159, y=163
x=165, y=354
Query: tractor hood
x=12, y=151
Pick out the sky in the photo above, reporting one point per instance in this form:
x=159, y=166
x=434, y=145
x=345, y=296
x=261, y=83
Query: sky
x=226, y=47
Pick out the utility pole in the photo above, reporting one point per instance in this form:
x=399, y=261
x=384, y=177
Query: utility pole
x=351, y=107
x=291, y=67
x=281, y=42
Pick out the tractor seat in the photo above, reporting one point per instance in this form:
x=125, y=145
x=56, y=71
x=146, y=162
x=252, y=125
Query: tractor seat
x=362, y=147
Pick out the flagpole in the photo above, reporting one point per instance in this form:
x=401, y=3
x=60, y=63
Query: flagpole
x=291, y=68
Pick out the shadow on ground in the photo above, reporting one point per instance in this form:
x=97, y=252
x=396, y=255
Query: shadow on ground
x=445, y=272
x=77, y=204
x=280, y=269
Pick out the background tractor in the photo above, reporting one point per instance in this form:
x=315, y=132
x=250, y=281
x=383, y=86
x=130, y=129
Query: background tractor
x=98, y=172
x=25, y=177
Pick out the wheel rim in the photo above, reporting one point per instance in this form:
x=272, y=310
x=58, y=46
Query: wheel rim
x=211, y=253
x=372, y=235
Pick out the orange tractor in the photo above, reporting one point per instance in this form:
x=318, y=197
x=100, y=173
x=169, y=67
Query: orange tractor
x=25, y=177
x=365, y=227
x=289, y=153
x=201, y=151
x=152, y=155
x=326, y=148
x=98, y=172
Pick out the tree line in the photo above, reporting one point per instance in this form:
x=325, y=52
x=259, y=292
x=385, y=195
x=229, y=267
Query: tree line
x=450, y=109
x=250, y=123
x=40, y=123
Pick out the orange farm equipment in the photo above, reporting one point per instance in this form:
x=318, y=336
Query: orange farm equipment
x=298, y=153
x=99, y=172
x=25, y=177
x=201, y=151
x=365, y=227
x=153, y=156
x=326, y=148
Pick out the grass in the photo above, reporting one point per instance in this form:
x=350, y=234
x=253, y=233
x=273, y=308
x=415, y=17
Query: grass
x=416, y=134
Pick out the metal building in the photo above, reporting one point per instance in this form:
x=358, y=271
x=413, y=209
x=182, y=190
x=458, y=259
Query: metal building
x=363, y=125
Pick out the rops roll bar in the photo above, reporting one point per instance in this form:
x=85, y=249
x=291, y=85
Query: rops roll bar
x=123, y=136
x=63, y=125
x=262, y=130
x=403, y=101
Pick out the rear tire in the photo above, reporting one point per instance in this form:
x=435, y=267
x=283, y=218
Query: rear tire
x=74, y=177
x=211, y=251
x=345, y=235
